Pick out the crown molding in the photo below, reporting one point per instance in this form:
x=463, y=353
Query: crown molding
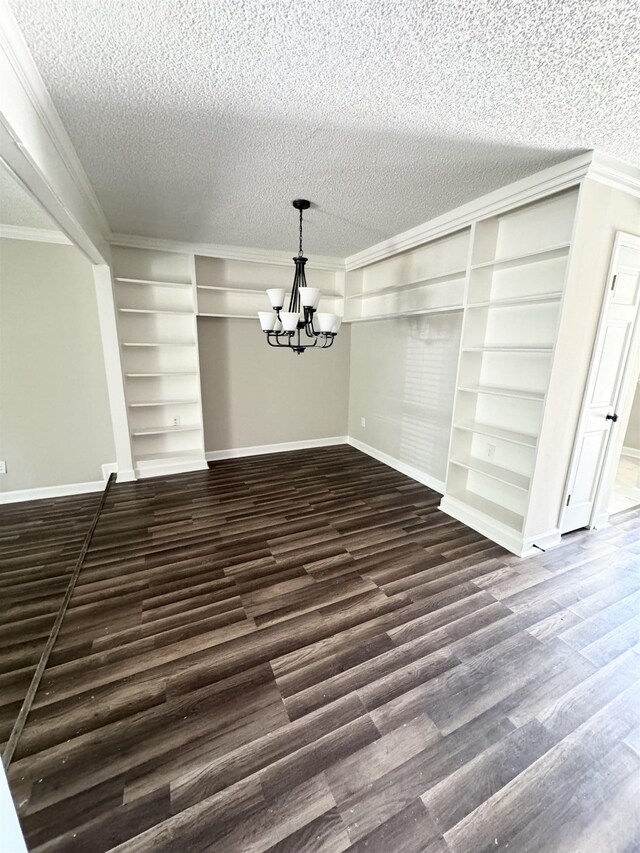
x=19, y=56
x=615, y=173
x=538, y=185
x=37, y=235
x=233, y=253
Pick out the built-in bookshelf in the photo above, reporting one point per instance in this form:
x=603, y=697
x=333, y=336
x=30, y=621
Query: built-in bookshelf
x=238, y=289
x=516, y=280
x=429, y=279
x=159, y=356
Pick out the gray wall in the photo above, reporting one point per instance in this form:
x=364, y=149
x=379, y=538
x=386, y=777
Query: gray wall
x=403, y=376
x=254, y=395
x=55, y=426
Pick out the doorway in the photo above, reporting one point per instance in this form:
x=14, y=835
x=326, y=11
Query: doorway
x=625, y=492
x=611, y=383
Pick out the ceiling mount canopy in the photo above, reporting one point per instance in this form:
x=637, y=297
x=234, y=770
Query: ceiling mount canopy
x=302, y=327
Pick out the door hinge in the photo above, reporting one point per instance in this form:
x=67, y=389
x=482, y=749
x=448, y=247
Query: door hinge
x=568, y=500
x=613, y=282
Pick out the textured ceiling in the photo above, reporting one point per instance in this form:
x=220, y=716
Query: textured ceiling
x=17, y=207
x=200, y=120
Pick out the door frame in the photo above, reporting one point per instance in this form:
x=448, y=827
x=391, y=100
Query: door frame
x=599, y=514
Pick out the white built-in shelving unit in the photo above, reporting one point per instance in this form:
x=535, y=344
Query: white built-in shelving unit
x=429, y=279
x=516, y=280
x=154, y=300
x=502, y=269
x=236, y=289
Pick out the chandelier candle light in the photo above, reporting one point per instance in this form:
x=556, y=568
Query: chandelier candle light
x=285, y=328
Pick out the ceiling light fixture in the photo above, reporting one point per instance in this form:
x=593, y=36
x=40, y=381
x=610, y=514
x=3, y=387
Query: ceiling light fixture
x=285, y=328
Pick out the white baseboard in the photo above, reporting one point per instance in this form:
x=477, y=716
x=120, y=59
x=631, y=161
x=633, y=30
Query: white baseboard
x=631, y=451
x=392, y=462
x=51, y=492
x=124, y=476
x=163, y=468
x=490, y=528
x=261, y=449
x=545, y=541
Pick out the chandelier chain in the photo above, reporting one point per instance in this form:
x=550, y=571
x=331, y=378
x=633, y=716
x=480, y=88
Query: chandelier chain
x=300, y=243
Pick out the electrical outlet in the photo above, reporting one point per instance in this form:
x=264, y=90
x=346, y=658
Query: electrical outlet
x=3, y=466
x=491, y=451
x=363, y=422
x=175, y=421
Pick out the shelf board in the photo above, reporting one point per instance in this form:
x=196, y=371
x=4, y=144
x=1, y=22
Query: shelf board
x=492, y=510
x=184, y=402
x=547, y=254
x=533, y=299
x=509, y=435
x=456, y=275
x=444, y=309
x=159, y=344
x=231, y=289
x=260, y=292
x=194, y=453
x=154, y=311
x=496, y=472
x=524, y=349
x=161, y=430
x=162, y=373
x=517, y=393
x=152, y=282
x=230, y=316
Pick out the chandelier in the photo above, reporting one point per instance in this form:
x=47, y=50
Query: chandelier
x=302, y=326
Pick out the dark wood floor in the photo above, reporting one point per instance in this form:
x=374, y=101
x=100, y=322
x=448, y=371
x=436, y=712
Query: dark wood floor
x=39, y=545
x=301, y=653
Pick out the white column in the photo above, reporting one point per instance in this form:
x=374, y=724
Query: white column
x=113, y=368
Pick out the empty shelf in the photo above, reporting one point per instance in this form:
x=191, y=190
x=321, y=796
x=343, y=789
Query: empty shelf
x=492, y=510
x=444, y=309
x=547, y=254
x=457, y=275
x=496, y=472
x=230, y=316
x=511, y=349
x=509, y=435
x=536, y=396
x=153, y=282
x=195, y=453
x=184, y=402
x=254, y=290
x=154, y=311
x=532, y=299
x=159, y=344
x=161, y=430
x=162, y=373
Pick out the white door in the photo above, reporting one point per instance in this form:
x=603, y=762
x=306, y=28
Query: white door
x=608, y=367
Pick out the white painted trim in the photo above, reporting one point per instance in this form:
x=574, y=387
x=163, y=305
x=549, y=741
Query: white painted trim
x=113, y=366
x=37, y=235
x=284, y=447
x=125, y=476
x=163, y=468
x=51, y=492
x=551, y=180
x=615, y=173
x=631, y=451
x=402, y=467
x=634, y=493
x=15, y=48
x=487, y=526
x=109, y=468
x=233, y=253
x=545, y=541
